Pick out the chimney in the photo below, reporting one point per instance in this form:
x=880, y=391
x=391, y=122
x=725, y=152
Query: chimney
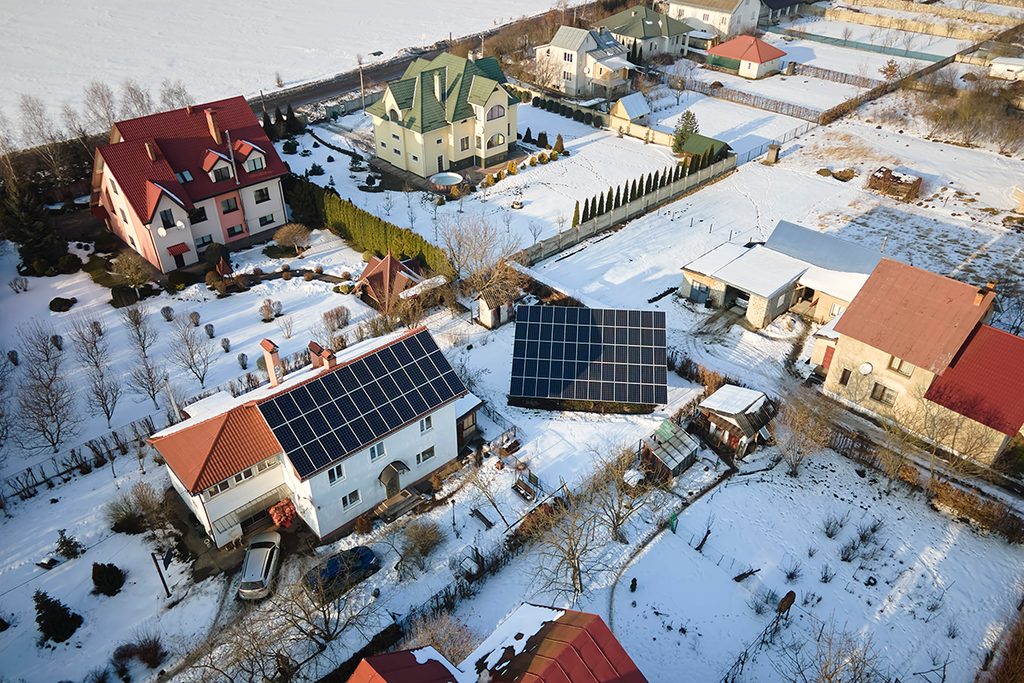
x=150, y=151
x=188, y=109
x=979, y=296
x=991, y=286
x=273, y=361
x=330, y=360
x=438, y=91
x=314, y=354
x=211, y=121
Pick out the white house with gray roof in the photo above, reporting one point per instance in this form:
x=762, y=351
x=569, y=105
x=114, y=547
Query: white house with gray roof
x=652, y=33
x=725, y=18
x=584, y=63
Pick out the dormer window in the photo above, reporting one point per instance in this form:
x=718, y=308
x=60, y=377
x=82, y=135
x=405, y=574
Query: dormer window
x=393, y=114
x=221, y=174
x=167, y=218
x=183, y=176
x=254, y=164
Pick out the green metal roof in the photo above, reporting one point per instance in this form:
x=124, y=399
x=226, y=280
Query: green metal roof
x=698, y=144
x=641, y=22
x=462, y=82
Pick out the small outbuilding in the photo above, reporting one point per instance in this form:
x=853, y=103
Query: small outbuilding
x=895, y=184
x=669, y=451
x=747, y=56
x=633, y=108
x=384, y=279
x=1007, y=68
x=497, y=306
x=735, y=419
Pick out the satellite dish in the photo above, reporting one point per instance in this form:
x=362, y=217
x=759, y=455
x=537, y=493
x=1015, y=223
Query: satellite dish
x=162, y=231
x=865, y=369
x=180, y=224
x=586, y=70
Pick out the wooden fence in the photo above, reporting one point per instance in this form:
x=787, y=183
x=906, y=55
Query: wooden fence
x=756, y=101
x=835, y=76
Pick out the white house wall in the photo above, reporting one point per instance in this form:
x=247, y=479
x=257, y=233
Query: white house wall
x=194, y=503
x=743, y=18
x=238, y=496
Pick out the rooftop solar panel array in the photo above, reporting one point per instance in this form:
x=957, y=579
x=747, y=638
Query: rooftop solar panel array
x=347, y=409
x=586, y=354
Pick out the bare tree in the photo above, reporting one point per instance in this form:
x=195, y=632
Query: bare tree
x=147, y=379
x=485, y=487
x=47, y=415
x=835, y=656
x=615, y=499
x=103, y=394
x=135, y=99
x=535, y=230
x=141, y=332
x=246, y=650
x=7, y=371
x=173, y=95
x=802, y=427
x=447, y=634
x=100, y=105
x=132, y=269
x=8, y=172
x=93, y=351
x=285, y=323
x=40, y=131
x=475, y=246
x=567, y=551
x=190, y=349
x=388, y=203
x=76, y=126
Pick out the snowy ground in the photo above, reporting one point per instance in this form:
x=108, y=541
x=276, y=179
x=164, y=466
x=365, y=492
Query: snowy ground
x=113, y=40
x=834, y=57
x=800, y=90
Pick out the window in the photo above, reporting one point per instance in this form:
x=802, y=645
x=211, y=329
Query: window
x=652, y=46
x=415, y=159
x=566, y=75
x=426, y=424
x=266, y=220
x=183, y=176
x=901, y=366
x=395, y=137
x=218, y=488
x=383, y=144
x=479, y=142
x=439, y=141
x=397, y=152
x=883, y=394
x=197, y=215
x=392, y=115
x=124, y=216
x=131, y=240
x=836, y=310
x=336, y=474
x=229, y=205
x=113, y=186
x=495, y=140
x=464, y=144
x=204, y=240
x=167, y=218
x=254, y=164
x=844, y=379
x=567, y=57
x=235, y=230
x=377, y=451
x=350, y=499
x=221, y=174
x=261, y=195
x=266, y=464
x=782, y=300
x=495, y=112
x=424, y=456
x=243, y=475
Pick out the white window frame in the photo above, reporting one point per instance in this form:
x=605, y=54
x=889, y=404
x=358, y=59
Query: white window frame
x=251, y=167
x=377, y=451
x=336, y=474
x=351, y=498
x=836, y=309
x=426, y=424
x=397, y=151
x=243, y=475
x=218, y=488
x=464, y=143
x=264, y=465
x=203, y=240
x=415, y=159
x=266, y=220
x=426, y=455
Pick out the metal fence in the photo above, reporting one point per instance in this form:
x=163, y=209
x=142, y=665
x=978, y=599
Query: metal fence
x=761, y=150
x=756, y=101
x=854, y=44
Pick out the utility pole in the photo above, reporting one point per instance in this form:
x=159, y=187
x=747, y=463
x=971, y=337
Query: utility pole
x=362, y=90
x=156, y=563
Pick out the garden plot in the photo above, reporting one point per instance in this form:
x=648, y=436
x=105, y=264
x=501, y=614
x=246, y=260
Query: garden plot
x=836, y=58
x=804, y=91
x=882, y=37
x=926, y=18
x=915, y=581
x=986, y=7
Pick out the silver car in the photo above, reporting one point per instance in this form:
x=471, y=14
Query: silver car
x=260, y=565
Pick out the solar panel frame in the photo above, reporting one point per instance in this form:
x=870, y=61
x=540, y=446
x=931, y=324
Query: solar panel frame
x=606, y=355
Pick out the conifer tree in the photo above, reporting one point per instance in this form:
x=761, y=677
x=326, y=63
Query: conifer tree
x=600, y=206
x=528, y=136
x=559, y=145
x=664, y=177
x=608, y=201
x=27, y=222
x=640, y=55
x=708, y=155
x=632, y=192
x=279, y=122
x=268, y=127
x=291, y=123
x=576, y=215
x=618, y=197
x=586, y=210
x=56, y=622
x=650, y=183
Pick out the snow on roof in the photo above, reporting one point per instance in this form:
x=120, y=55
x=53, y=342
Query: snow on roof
x=465, y=404
x=822, y=249
x=828, y=330
x=717, y=258
x=614, y=62
x=574, y=293
x=635, y=106
x=170, y=194
x=762, y=271
x=526, y=620
x=426, y=654
x=1008, y=61
x=840, y=285
x=733, y=400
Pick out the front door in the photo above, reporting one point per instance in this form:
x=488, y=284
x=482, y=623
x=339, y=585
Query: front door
x=179, y=261
x=440, y=163
x=392, y=488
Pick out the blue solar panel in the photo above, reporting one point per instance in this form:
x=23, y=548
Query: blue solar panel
x=589, y=354
x=346, y=409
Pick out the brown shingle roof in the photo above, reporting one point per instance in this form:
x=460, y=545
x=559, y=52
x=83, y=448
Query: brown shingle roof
x=211, y=451
x=747, y=49
x=915, y=315
x=384, y=278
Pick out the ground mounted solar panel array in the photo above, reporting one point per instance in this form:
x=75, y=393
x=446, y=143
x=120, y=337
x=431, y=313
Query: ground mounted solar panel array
x=586, y=354
x=355, y=405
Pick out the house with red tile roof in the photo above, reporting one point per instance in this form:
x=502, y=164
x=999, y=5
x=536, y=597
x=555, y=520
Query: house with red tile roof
x=172, y=183
x=384, y=279
x=747, y=56
x=916, y=347
x=535, y=644
x=338, y=437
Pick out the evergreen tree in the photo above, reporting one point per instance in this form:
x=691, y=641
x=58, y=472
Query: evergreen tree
x=27, y=222
x=618, y=197
x=608, y=201
x=685, y=126
x=528, y=136
x=640, y=55
x=586, y=210
x=632, y=192
x=56, y=622
x=600, y=206
x=107, y=578
x=664, y=177
x=632, y=53
x=268, y=127
x=707, y=157
x=576, y=215
x=292, y=124
x=279, y=123
x=650, y=184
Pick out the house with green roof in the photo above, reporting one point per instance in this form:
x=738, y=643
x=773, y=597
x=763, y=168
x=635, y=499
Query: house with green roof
x=642, y=29
x=445, y=114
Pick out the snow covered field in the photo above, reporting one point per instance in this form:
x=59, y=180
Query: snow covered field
x=52, y=48
x=834, y=57
x=800, y=90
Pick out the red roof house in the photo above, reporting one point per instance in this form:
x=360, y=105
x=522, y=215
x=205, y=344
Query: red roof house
x=424, y=665
x=384, y=279
x=193, y=176
x=748, y=56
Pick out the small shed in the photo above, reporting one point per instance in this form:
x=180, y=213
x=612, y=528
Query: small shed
x=496, y=306
x=632, y=107
x=747, y=56
x=895, y=184
x=384, y=279
x=735, y=419
x=466, y=430
x=669, y=451
x=1007, y=68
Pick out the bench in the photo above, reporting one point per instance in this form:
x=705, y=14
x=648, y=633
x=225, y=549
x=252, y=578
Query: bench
x=524, y=490
x=479, y=515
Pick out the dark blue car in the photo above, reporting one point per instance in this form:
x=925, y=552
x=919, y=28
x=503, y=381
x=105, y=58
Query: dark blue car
x=338, y=573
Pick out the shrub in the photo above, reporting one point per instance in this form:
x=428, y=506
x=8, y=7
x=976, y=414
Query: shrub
x=421, y=539
x=488, y=181
x=316, y=169
x=793, y=571
x=833, y=524
x=266, y=310
x=554, y=156
x=212, y=278
x=307, y=276
x=827, y=573
x=68, y=547
x=542, y=140
x=61, y=305
x=319, y=270
x=363, y=525
x=124, y=515
x=500, y=176
x=179, y=279
x=285, y=268
x=315, y=144
x=367, y=256
x=848, y=551
x=69, y=263
x=578, y=116
x=193, y=317
x=763, y=600
x=12, y=356
x=57, y=342
x=243, y=361
x=208, y=328
x=543, y=158
x=536, y=101
x=533, y=161
x=825, y=172
x=290, y=147
x=225, y=344
x=512, y=168
x=598, y=121
x=149, y=649
x=330, y=159
x=588, y=118
x=168, y=313
x=242, y=281
x=56, y=622
x=122, y=295
x=336, y=318
x=107, y=579
x=286, y=275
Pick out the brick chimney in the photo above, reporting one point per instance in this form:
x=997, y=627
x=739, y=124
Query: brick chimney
x=330, y=360
x=150, y=151
x=991, y=285
x=211, y=121
x=188, y=109
x=314, y=355
x=273, y=361
x=979, y=296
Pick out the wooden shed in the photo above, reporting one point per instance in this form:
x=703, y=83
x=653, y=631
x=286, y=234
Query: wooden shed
x=735, y=419
x=669, y=451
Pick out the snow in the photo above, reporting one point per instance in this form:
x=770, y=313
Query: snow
x=732, y=400
x=840, y=285
x=828, y=330
x=837, y=58
x=466, y=403
x=804, y=91
x=716, y=259
x=761, y=271
x=512, y=633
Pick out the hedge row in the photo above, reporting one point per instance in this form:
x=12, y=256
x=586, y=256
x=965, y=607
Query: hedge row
x=578, y=115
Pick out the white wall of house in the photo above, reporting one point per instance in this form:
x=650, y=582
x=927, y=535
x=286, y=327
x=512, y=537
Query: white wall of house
x=238, y=496
x=195, y=503
x=267, y=214
x=172, y=234
x=673, y=45
x=504, y=125
x=752, y=70
x=727, y=24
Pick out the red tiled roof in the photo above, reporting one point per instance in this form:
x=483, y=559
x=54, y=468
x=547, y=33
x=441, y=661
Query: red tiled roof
x=915, y=315
x=181, y=141
x=211, y=451
x=384, y=278
x=986, y=380
x=401, y=667
x=747, y=49
x=178, y=249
